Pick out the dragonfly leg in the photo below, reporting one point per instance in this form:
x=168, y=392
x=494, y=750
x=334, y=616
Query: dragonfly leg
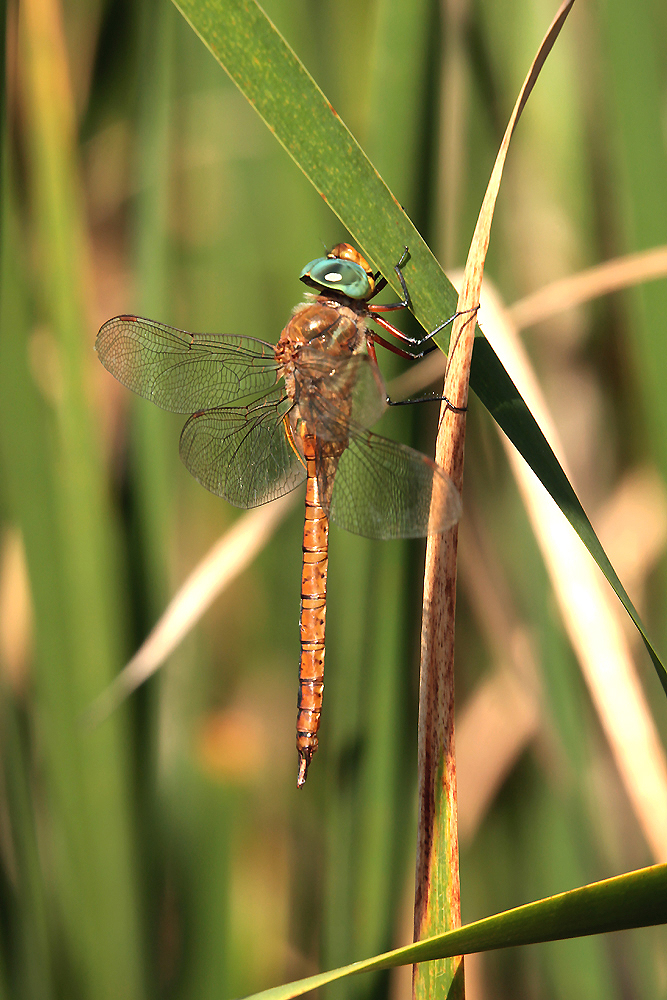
x=460, y=312
x=408, y=355
x=413, y=341
x=381, y=282
x=433, y=398
x=375, y=338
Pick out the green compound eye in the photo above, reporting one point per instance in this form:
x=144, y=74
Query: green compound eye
x=343, y=275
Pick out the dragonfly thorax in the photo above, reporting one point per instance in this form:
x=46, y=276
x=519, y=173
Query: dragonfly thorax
x=325, y=324
x=328, y=374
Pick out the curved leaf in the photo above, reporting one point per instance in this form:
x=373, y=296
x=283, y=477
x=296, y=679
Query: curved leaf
x=636, y=899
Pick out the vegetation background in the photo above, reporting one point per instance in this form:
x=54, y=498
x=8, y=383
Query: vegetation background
x=167, y=853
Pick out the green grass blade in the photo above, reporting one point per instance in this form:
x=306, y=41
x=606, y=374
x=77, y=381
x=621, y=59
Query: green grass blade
x=639, y=162
x=31, y=965
x=70, y=758
x=152, y=452
x=53, y=475
x=636, y=899
x=268, y=73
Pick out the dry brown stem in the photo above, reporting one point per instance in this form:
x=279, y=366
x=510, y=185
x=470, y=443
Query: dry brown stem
x=437, y=892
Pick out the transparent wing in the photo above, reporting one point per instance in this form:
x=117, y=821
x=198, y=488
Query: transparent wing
x=182, y=371
x=333, y=392
x=383, y=489
x=242, y=453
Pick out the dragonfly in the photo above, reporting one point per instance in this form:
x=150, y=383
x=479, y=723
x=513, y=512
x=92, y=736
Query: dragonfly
x=265, y=418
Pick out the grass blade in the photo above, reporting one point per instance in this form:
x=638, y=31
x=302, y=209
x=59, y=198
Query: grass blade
x=636, y=899
x=69, y=536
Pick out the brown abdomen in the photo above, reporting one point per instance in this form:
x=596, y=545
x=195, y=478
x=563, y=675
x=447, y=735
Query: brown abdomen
x=313, y=617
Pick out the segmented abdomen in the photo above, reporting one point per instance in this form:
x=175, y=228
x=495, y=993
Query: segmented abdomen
x=313, y=616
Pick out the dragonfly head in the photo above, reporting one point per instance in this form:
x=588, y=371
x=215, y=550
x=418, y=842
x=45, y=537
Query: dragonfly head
x=343, y=269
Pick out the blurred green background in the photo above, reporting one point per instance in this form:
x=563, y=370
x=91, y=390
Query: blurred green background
x=167, y=852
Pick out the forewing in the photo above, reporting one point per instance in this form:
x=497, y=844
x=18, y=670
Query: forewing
x=181, y=371
x=336, y=391
x=383, y=489
x=242, y=453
